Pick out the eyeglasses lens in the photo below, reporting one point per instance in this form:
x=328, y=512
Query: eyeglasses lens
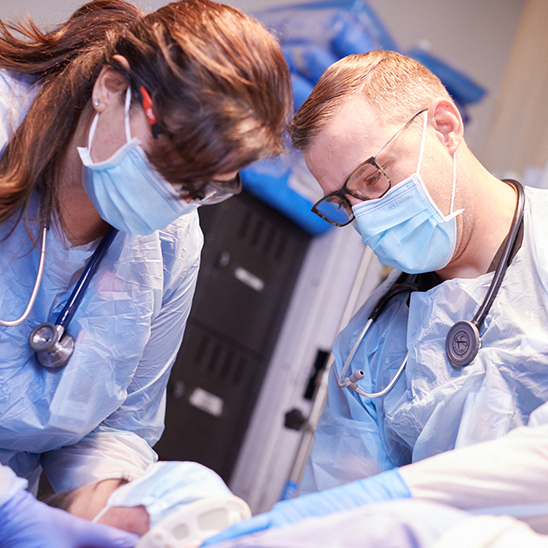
x=216, y=192
x=334, y=209
x=368, y=182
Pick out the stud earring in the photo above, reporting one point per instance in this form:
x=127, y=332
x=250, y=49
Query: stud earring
x=96, y=102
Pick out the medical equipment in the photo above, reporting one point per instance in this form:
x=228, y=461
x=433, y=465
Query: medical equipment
x=195, y=522
x=53, y=344
x=36, y=287
x=463, y=340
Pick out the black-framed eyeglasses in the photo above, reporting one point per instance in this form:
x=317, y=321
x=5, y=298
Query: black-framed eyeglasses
x=368, y=181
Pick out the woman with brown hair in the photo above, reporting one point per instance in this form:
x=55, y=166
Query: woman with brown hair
x=114, y=127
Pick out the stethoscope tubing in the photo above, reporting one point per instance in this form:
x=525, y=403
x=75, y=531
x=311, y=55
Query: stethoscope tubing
x=500, y=271
x=352, y=382
x=475, y=324
x=79, y=291
x=37, y=282
x=52, y=343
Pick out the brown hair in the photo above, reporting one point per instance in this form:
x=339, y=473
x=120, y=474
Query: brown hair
x=394, y=85
x=59, y=500
x=219, y=84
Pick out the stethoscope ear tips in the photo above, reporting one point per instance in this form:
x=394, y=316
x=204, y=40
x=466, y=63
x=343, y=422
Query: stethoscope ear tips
x=53, y=345
x=462, y=344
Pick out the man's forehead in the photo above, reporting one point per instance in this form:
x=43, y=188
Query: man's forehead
x=352, y=132
x=353, y=115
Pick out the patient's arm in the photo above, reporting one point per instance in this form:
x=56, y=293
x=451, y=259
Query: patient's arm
x=509, y=471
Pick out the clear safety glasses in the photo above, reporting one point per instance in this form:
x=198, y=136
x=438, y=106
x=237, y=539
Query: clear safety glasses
x=215, y=191
x=218, y=191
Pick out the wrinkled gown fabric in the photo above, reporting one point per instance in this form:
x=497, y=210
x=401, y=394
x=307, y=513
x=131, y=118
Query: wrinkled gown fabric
x=433, y=407
x=99, y=416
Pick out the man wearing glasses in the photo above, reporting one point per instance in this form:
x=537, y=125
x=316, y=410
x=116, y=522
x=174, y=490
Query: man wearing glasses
x=386, y=143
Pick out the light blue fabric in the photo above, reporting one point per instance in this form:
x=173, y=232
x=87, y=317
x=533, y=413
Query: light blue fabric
x=98, y=416
x=406, y=523
x=433, y=407
x=16, y=96
x=126, y=190
x=406, y=230
x=9, y=483
x=385, y=486
x=165, y=487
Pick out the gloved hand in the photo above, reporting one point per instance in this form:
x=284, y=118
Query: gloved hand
x=28, y=523
x=384, y=486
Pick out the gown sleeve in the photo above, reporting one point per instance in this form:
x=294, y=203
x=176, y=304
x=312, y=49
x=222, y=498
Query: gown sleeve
x=9, y=483
x=121, y=446
x=348, y=442
x=507, y=476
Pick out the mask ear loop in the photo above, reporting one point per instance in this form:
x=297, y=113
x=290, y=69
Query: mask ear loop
x=423, y=141
x=92, y=130
x=453, y=214
x=126, y=114
x=126, y=121
x=101, y=513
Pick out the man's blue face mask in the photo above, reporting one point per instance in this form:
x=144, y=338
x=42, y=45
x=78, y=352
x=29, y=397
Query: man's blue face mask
x=405, y=228
x=127, y=191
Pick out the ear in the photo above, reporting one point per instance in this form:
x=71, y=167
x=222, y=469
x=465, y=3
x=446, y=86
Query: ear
x=109, y=85
x=447, y=122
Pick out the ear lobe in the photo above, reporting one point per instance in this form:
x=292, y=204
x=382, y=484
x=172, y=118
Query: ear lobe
x=447, y=121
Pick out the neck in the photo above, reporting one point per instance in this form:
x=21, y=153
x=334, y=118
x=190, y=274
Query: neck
x=80, y=220
x=489, y=210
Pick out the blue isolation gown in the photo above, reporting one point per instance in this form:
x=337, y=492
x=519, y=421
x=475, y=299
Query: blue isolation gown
x=99, y=416
x=433, y=407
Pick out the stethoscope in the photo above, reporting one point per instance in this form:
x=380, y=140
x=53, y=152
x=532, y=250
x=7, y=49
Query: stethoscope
x=53, y=344
x=463, y=340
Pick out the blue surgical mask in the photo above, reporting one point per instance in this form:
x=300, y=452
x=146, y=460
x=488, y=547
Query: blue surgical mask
x=127, y=191
x=405, y=228
x=167, y=486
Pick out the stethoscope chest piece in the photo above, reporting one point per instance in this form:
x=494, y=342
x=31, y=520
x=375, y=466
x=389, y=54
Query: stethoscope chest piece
x=53, y=345
x=462, y=343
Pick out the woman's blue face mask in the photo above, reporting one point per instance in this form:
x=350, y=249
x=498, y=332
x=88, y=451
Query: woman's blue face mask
x=126, y=190
x=405, y=228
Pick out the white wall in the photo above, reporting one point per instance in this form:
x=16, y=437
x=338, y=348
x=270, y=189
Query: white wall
x=475, y=36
